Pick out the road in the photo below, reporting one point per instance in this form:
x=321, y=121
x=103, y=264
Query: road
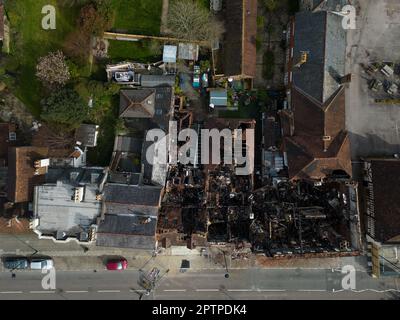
x=251, y=284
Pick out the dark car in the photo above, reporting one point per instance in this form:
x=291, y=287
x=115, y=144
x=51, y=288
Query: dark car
x=16, y=263
x=117, y=264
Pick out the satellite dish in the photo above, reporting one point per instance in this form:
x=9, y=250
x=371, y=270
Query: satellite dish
x=230, y=79
x=212, y=106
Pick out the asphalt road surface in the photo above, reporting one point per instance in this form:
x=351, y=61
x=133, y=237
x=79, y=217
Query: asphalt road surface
x=251, y=284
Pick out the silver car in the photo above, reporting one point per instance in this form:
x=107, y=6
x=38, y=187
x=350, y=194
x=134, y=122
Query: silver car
x=41, y=264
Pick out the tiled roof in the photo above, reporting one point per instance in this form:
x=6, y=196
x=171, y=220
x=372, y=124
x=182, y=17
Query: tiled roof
x=385, y=179
x=21, y=177
x=137, y=103
x=239, y=46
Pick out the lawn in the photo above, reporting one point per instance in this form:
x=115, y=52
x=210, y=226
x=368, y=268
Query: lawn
x=138, y=51
x=29, y=41
x=138, y=16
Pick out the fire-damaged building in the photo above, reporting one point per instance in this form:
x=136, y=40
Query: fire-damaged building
x=316, y=142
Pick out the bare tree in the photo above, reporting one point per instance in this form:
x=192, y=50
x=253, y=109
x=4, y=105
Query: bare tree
x=52, y=69
x=187, y=19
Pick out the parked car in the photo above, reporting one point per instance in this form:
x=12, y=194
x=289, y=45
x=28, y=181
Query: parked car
x=16, y=263
x=117, y=264
x=41, y=264
x=196, y=77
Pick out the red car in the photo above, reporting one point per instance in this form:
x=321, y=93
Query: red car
x=117, y=264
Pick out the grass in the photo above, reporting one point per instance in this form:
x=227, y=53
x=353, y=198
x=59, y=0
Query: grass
x=268, y=65
x=29, y=41
x=128, y=50
x=138, y=16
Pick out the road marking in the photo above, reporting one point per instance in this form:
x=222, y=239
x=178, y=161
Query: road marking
x=271, y=290
x=10, y=292
x=207, y=290
x=311, y=290
x=108, y=291
x=42, y=292
x=174, y=290
x=240, y=290
x=76, y=291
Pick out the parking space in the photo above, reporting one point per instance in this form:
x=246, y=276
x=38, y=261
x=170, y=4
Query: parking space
x=374, y=127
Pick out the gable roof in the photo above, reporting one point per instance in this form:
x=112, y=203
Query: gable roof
x=308, y=160
x=322, y=36
x=239, y=46
x=137, y=103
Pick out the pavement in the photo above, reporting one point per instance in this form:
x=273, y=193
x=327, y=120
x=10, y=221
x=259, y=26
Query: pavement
x=205, y=285
x=374, y=129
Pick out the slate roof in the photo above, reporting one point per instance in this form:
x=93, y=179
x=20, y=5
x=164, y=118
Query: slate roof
x=153, y=80
x=137, y=195
x=130, y=217
x=137, y=103
x=239, y=45
x=322, y=36
x=385, y=179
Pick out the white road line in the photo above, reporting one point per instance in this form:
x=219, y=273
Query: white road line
x=76, y=291
x=174, y=290
x=207, y=290
x=311, y=290
x=10, y=292
x=271, y=290
x=42, y=292
x=240, y=290
x=108, y=291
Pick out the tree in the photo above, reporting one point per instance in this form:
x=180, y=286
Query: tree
x=52, y=70
x=189, y=20
x=93, y=20
x=64, y=107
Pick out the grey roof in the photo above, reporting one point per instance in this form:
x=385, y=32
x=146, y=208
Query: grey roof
x=153, y=80
x=57, y=211
x=75, y=176
x=169, y=53
x=128, y=144
x=129, y=224
x=156, y=172
x=130, y=218
x=124, y=178
x=137, y=195
x=126, y=241
x=329, y=5
x=137, y=103
x=188, y=51
x=322, y=36
x=87, y=134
